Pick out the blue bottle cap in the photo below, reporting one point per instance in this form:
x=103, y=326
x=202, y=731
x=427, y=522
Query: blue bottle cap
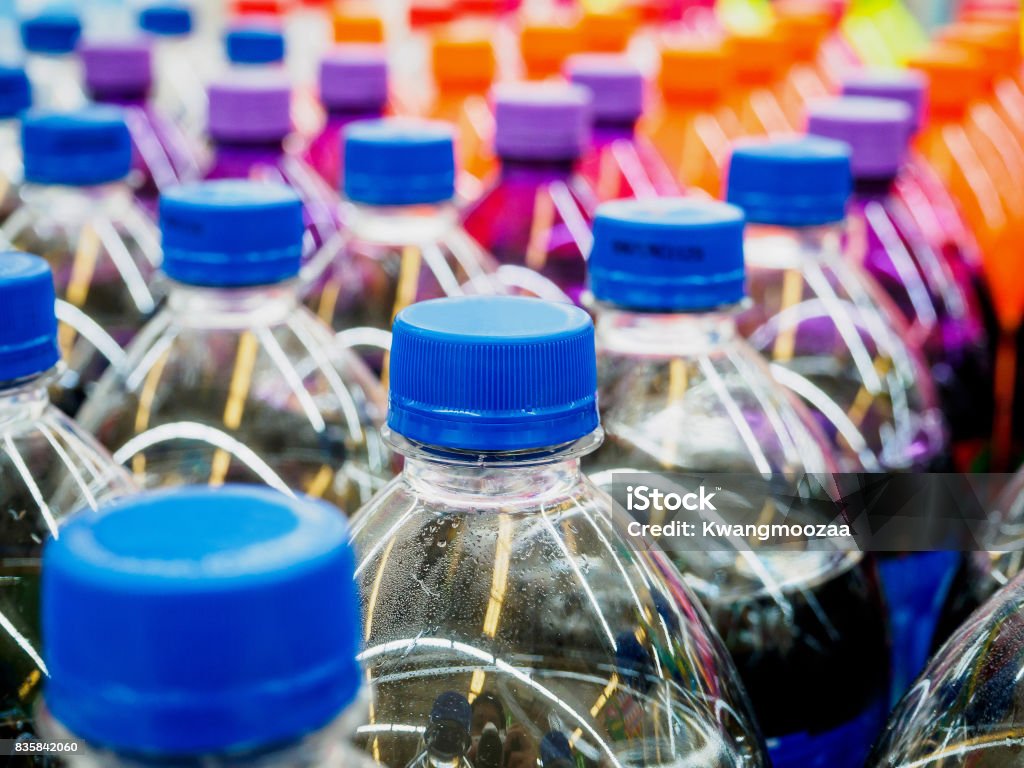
x=88, y=146
x=254, y=45
x=231, y=233
x=15, y=92
x=667, y=255
x=798, y=182
x=28, y=325
x=493, y=373
x=399, y=162
x=51, y=32
x=200, y=620
x=166, y=19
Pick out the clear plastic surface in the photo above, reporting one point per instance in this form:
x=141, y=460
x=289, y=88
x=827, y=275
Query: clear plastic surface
x=506, y=582
x=49, y=468
x=834, y=338
x=104, y=252
x=11, y=170
x=964, y=710
x=243, y=385
x=805, y=624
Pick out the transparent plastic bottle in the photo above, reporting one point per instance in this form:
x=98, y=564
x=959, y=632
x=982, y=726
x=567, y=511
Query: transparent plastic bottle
x=942, y=312
x=403, y=242
x=120, y=73
x=964, y=710
x=235, y=381
x=49, y=40
x=536, y=212
x=681, y=392
x=492, y=567
x=49, y=468
x=691, y=125
x=15, y=98
x=760, y=62
x=181, y=64
x=78, y=212
x=224, y=585
x=620, y=163
x=250, y=128
x=831, y=334
x=353, y=86
x=835, y=339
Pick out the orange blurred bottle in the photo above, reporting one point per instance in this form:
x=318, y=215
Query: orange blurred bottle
x=690, y=125
x=608, y=31
x=760, y=60
x=545, y=46
x=358, y=24
x=464, y=70
x=804, y=27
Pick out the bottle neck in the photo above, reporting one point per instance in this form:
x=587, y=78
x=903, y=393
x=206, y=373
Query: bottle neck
x=25, y=399
x=246, y=150
x=137, y=99
x=232, y=307
x=402, y=224
x=873, y=188
x=520, y=169
x=498, y=478
x=607, y=131
x=785, y=247
x=346, y=115
x=629, y=332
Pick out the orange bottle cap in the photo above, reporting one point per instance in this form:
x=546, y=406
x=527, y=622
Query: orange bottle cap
x=261, y=7
x=697, y=72
x=954, y=77
x=480, y=7
x=358, y=27
x=758, y=58
x=608, y=31
x=545, y=47
x=803, y=28
x=464, y=63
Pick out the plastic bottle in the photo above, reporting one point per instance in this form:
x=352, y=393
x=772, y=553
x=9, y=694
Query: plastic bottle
x=544, y=47
x=181, y=64
x=682, y=392
x=620, y=162
x=536, y=213
x=15, y=98
x=224, y=585
x=250, y=125
x=77, y=211
x=49, y=40
x=831, y=334
x=119, y=73
x=464, y=67
x=963, y=711
x=690, y=125
x=512, y=554
x=760, y=62
x=943, y=313
x=446, y=738
x=49, y=468
x=235, y=381
x=353, y=86
x=403, y=242
x=804, y=30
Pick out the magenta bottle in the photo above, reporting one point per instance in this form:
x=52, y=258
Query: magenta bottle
x=353, y=84
x=250, y=130
x=619, y=162
x=938, y=301
x=120, y=73
x=537, y=212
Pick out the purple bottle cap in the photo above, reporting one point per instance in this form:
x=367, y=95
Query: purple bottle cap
x=616, y=85
x=117, y=67
x=541, y=121
x=877, y=131
x=354, y=78
x=250, y=111
x=906, y=85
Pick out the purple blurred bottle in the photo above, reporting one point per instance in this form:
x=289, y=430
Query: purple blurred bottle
x=121, y=73
x=619, y=163
x=353, y=87
x=938, y=302
x=538, y=211
x=250, y=129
